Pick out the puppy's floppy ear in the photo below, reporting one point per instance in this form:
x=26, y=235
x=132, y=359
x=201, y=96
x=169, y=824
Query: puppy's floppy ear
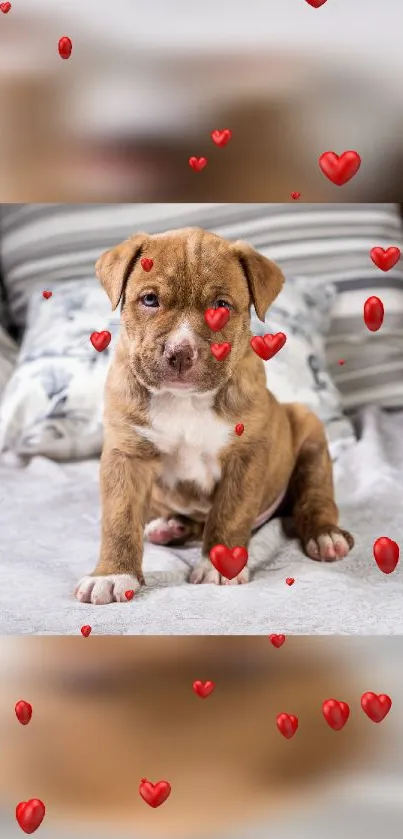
x=114, y=267
x=265, y=280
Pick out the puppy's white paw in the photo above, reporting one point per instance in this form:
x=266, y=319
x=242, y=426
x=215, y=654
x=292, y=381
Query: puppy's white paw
x=109, y=589
x=239, y=580
x=164, y=531
x=205, y=572
x=330, y=546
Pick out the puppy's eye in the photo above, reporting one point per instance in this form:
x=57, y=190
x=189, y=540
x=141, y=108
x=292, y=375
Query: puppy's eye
x=222, y=304
x=150, y=300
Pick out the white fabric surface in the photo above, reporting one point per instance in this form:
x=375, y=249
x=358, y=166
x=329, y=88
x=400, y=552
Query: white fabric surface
x=49, y=537
x=363, y=808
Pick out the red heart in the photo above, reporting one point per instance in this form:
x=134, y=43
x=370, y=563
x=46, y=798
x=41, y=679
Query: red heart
x=376, y=705
x=239, y=429
x=154, y=794
x=203, y=689
x=129, y=594
x=335, y=713
x=86, y=630
x=47, y=294
x=287, y=725
x=221, y=138
x=385, y=259
x=290, y=581
x=373, y=313
x=316, y=3
x=228, y=562
x=216, y=318
x=267, y=346
x=197, y=163
x=220, y=351
x=65, y=47
x=5, y=7
x=146, y=263
x=386, y=554
x=295, y=196
x=100, y=340
x=30, y=814
x=340, y=169
x=277, y=640
x=23, y=712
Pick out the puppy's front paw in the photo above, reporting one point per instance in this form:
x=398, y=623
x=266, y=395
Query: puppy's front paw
x=109, y=589
x=205, y=572
x=330, y=545
x=239, y=580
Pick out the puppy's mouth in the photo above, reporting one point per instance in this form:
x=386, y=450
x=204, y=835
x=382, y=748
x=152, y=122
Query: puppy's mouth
x=180, y=370
x=179, y=384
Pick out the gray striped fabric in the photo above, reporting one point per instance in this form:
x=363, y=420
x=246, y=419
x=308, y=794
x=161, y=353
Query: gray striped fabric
x=8, y=348
x=324, y=242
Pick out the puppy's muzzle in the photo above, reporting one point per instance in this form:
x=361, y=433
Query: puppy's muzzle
x=179, y=358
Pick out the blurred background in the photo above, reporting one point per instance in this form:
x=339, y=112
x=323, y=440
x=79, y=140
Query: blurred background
x=147, y=82
x=111, y=711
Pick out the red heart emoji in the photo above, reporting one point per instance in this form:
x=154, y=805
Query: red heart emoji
x=5, y=7
x=277, y=640
x=335, y=713
x=154, y=794
x=146, y=264
x=267, y=346
x=228, y=562
x=290, y=581
x=386, y=554
x=23, y=712
x=221, y=138
x=129, y=594
x=287, y=725
x=373, y=313
x=316, y=3
x=376, y=705
x=340, y=169
x=216, y=318
x=295, y=196
x=385, y=259
x=65, y=47
x=220, y=351
x=203, y=689
x=100, y=340
x=239, y=429
x=86, y=630
x=197, y=163
x=47, y=294
x=30, y=814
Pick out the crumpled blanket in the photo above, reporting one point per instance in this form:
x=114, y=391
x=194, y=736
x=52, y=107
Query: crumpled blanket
x=49, y=537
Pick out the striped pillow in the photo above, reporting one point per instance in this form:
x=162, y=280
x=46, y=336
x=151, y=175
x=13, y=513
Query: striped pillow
x=325, y=242
x=8, y=348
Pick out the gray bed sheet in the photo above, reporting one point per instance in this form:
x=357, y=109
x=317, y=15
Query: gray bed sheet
x=49, y=537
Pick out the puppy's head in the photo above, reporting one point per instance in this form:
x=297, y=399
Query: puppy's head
x=165, y=334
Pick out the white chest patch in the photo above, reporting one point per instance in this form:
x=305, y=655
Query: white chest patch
x=190, y=437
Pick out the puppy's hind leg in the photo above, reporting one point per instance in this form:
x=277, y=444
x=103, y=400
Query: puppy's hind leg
x=173, y=530
x=311, y=493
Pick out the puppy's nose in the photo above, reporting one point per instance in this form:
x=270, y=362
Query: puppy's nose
x=180, y=357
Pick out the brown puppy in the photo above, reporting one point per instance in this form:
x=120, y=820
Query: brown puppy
x=172, y=463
